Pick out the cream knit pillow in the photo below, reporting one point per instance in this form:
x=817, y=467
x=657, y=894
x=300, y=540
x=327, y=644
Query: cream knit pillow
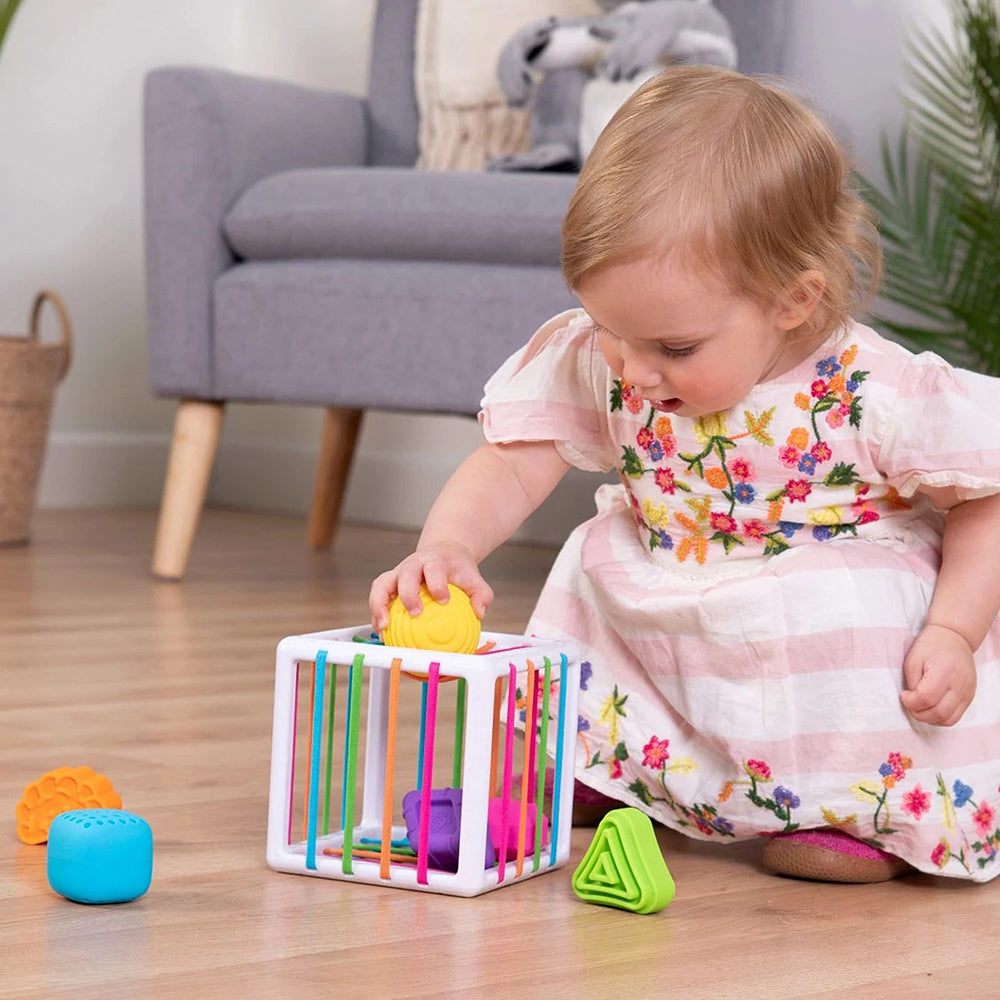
x=464, y=119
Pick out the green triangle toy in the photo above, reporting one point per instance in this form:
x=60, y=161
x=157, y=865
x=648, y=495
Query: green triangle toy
x=623, y=866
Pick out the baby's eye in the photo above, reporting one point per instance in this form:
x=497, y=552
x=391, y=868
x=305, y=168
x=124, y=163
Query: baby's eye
x=678, y=352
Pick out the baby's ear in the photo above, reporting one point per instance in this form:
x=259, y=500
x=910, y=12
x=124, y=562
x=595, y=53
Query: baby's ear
x=800, y=299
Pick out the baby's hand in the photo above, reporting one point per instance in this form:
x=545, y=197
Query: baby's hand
x=436, y=566
x=940, y=676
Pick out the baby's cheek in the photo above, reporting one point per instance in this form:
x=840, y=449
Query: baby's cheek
x=730, y=379
x=720, y=393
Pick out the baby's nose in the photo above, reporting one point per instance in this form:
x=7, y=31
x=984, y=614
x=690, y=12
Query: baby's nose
x=638, y=371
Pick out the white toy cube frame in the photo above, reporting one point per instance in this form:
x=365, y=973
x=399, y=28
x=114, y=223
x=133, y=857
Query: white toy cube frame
x=317, y=740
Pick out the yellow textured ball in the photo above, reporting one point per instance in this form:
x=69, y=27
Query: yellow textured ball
x=445, y=628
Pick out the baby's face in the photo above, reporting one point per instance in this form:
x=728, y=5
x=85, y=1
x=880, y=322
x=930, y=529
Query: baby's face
x=682, y=338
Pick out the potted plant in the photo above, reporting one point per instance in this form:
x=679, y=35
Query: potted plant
x=8, y=8
x=940, y=211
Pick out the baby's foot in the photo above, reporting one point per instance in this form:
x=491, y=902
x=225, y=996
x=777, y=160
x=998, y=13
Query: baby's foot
x=590, y=806
x=830, y=856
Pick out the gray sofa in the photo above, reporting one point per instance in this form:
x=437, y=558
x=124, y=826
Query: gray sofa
x=294, y=255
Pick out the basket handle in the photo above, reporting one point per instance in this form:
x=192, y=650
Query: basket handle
x=47, y=295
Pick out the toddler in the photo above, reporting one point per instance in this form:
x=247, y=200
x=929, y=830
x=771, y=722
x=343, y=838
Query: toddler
x=787, y=605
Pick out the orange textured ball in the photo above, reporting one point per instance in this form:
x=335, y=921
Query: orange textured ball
x=58, y=791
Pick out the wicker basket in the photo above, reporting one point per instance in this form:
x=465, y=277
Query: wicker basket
x=29, y=374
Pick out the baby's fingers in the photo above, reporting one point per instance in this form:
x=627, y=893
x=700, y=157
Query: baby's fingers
x=945, y=712
x=383, y=590
x=436, y=578
x=412, y=574
x=403, y=582
x=465, y=577
x=479, y=591
x=932, y=700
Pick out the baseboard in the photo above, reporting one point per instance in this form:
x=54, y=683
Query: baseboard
x=103, y=469
x=387, y=488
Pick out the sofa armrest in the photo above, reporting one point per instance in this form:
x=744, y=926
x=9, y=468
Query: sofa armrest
x=208, y=134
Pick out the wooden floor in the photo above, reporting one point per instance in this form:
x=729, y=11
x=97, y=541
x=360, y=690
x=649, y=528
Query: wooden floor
x=167, y=689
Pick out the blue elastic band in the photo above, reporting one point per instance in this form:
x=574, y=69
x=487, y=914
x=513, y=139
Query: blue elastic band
x=317, y=737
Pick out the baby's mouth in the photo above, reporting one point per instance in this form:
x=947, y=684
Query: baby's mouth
x=671, y=405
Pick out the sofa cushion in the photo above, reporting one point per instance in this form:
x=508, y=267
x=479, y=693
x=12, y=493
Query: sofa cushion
x=393, y=334
x=401, y=213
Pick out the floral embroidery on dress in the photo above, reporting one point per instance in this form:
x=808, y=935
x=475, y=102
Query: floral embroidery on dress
x=875, y=793
x=719, y=517
x=782, y=800
x=983, y=851
x=657, y=758
x=702, y=815
x=917, y=802
x=882, y=793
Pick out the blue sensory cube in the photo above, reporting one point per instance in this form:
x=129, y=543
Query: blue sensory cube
x=100, y=855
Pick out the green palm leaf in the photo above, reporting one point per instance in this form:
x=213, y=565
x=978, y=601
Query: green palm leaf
x=940, y=210
x=8, y=8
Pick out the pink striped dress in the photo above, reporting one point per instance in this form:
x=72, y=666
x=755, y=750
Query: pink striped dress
x=745, y=597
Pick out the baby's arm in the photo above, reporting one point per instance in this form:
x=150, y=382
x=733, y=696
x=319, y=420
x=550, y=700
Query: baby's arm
x=482, y=505
x=939, y=670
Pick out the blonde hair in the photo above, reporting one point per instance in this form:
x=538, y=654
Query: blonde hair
x=731, y=173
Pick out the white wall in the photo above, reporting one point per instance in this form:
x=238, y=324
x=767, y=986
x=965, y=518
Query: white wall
x=70, y=204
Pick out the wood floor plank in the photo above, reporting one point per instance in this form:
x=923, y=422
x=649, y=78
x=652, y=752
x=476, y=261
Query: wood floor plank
x=167, y=688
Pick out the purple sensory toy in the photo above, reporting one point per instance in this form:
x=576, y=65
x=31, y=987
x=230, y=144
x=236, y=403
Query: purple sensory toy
x=445, y=826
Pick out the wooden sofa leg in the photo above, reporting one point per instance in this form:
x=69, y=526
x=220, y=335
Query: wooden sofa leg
x=340, y=435
x=192, y=452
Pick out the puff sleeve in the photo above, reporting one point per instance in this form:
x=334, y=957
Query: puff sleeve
x=554, y=389
x=944, y=431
